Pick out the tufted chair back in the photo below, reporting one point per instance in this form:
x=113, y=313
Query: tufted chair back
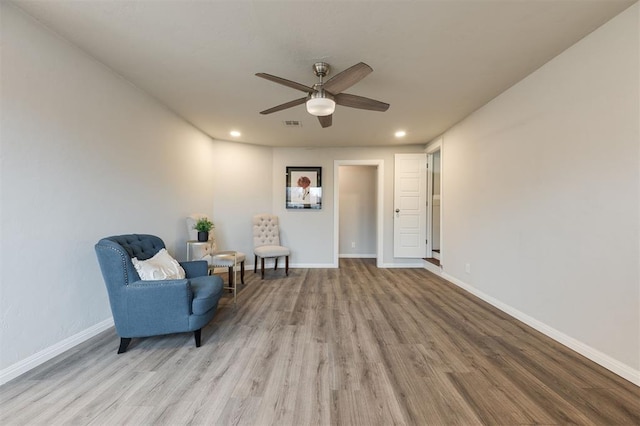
x=117, y=252
x=266, y=231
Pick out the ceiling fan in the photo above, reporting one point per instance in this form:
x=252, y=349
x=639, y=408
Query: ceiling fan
x=323, y=96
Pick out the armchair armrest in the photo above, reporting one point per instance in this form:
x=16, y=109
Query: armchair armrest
x=195, y=268
x=159, y=300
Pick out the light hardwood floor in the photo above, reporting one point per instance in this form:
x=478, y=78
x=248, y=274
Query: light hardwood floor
x=356, y=345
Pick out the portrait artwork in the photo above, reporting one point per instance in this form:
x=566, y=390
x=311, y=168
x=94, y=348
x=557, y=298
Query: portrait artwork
x=304, y=189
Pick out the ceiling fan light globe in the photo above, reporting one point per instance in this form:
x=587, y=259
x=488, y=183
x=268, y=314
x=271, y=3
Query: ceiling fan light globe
x=321, y=107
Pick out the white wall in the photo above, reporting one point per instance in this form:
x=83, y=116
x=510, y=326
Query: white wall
x=242, y=191
x=357, y=216
x=541, y=197
x=309, y=233
x=243, y=188
x=84, y=155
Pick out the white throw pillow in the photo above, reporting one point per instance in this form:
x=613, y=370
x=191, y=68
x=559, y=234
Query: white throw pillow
x=160, y=267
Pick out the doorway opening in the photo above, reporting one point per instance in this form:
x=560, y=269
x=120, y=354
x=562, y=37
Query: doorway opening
x=358, y=200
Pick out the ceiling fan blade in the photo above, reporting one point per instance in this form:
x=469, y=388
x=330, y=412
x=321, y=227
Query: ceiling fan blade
x=326, y=120
x=347, y=78
x=360, y=102
x=286, y=82
x=284, y=106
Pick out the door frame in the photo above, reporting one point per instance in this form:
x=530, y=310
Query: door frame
x=430, y=150
x=429, y=248
x=379, y=164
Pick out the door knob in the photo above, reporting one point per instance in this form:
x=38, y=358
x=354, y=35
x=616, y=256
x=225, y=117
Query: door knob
x=397, y=210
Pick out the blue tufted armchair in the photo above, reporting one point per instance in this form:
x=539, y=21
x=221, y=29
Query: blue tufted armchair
x=150, y=308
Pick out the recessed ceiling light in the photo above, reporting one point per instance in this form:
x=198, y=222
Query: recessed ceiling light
x=235, y=133
x=400, y=134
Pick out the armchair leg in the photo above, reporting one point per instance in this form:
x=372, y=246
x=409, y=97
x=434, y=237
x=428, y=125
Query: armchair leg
x=124, y=343
x=262, y=267
x=286, y=265
x=255, y=263
x=196, y=335
x=242, y=272
x=275, y=264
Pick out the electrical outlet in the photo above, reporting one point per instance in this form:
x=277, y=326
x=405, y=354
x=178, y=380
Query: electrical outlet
x=353, y=244
x=467, y=268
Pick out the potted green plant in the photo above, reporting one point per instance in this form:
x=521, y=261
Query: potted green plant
x=203, y=226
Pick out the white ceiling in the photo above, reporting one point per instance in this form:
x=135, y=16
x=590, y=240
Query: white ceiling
x=435, y=62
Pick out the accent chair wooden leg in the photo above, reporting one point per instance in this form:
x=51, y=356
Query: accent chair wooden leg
x=286, y=265
x=255, y=263
x=124, y=343
x=275, y=265
x=231, y=278
x=242, y=272
x=197, y=334
x=262, y=266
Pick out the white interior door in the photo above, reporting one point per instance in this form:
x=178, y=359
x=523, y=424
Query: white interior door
x=410, y=210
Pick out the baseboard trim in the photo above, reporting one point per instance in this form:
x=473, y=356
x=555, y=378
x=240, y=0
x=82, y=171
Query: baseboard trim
x=611, y=364
x=269, y=265
x=45, y=355
x=417, y=264
x=357, y=256
x=309, y=265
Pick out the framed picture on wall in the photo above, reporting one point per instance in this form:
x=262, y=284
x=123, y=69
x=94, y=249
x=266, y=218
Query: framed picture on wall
x=304, y=187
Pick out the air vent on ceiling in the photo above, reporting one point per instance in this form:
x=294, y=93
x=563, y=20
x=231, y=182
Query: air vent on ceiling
x=292, y=123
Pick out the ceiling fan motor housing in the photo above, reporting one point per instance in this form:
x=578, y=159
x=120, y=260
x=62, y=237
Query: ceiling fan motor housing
x=321, y=69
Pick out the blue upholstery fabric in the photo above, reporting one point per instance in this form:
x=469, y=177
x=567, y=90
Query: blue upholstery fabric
x=149, y=308
x=205, y=296
x=195, y=268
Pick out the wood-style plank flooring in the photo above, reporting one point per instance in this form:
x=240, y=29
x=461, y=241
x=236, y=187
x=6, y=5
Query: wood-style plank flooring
x=356, y=345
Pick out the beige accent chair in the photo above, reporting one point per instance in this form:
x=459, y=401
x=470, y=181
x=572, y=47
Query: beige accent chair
x=214, y=257
x=266, y=242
